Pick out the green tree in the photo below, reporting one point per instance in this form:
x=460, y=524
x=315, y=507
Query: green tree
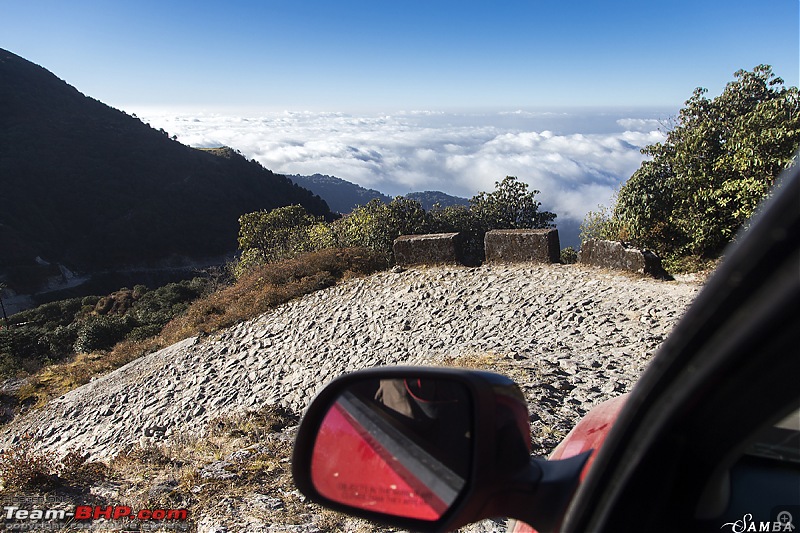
x=715, y=166
x=510, y=206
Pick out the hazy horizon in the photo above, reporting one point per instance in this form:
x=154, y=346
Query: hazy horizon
x=577, y=158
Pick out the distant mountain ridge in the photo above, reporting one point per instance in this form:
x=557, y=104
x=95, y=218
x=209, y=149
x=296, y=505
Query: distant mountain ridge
x=90, y=187
x=343, y=196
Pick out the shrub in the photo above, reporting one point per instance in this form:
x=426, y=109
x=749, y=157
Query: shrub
x=461, y=219
x=368, y=226
x=601, y=225
x=322, y=236
x=376, y=225
x=75, y=468
x=22, y=467
x=284, y=232
x=267, y=236
x=102, y=332
x=569, y=256
x=27, y=345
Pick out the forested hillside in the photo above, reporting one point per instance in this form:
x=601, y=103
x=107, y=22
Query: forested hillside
x=90, y=187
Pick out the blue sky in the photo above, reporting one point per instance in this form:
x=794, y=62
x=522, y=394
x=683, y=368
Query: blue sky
x=381, y=55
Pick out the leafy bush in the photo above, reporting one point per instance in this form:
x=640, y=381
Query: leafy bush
x=102, y=332
x=51, y=315
x=461, y=219
x=322, y=236
x=601, y=225
x=719, y=161
x=267, y=236
x=376, y=225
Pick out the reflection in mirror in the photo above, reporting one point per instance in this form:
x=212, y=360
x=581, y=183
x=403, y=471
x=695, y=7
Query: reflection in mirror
x=396, y=446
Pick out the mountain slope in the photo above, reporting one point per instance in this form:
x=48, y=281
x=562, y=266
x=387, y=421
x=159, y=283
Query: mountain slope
x=284, y=356
x=495, y=317
x=90, y=187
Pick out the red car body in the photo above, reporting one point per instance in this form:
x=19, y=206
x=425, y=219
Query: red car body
x=587, y=435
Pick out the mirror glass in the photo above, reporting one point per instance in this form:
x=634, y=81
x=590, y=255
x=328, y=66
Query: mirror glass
x=396, y=446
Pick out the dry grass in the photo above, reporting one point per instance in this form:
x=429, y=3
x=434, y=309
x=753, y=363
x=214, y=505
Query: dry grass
x=237, y=475
x=265, y=287
x=490, y=362
x=692, y=265
x=239, y=471
x=23, y=467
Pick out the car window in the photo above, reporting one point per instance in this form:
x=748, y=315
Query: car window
x=780, y=441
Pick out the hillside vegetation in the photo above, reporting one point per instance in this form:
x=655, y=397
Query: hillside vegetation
x=59, y=346
x=286, y=253
x=131, y=322
x=53, y=332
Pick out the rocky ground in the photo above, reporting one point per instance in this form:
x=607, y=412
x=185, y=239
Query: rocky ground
x=571, y=336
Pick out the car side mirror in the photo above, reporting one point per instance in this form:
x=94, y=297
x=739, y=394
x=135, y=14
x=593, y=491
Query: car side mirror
x=428, y=449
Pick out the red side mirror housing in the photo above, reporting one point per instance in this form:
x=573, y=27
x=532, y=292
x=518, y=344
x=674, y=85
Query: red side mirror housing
x=428, y=449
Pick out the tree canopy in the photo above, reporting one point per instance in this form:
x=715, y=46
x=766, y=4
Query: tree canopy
x=716, y=164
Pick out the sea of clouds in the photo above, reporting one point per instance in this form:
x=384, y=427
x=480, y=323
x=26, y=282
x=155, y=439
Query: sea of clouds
x=576, y=158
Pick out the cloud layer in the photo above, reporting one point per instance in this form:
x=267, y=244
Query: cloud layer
x=577, y=159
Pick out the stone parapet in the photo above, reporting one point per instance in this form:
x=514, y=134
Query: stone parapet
x=523, y=245
x=619, y=256
x=431, y=249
